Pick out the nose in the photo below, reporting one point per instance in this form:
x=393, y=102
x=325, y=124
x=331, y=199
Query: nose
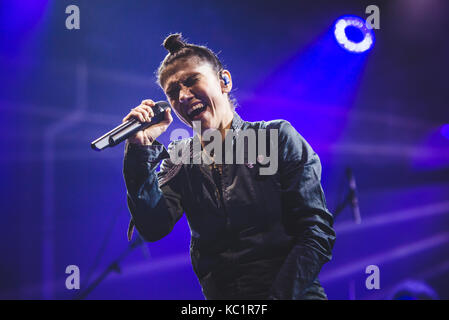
x=185, y=94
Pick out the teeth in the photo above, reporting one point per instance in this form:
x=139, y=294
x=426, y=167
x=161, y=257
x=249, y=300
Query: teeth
x=197, y=106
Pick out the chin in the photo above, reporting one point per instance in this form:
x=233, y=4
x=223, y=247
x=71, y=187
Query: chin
x=207, y=122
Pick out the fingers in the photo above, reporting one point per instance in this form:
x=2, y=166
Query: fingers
x=168, y=117
x=147, y=107
x=146, y=111
x=148, y=102
x=143, y=112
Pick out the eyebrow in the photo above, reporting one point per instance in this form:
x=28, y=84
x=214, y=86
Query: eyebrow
x=173, y=83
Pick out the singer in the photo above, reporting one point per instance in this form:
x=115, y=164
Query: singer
x=253, y=236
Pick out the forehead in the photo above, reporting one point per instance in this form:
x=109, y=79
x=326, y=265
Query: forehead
x=183, y=68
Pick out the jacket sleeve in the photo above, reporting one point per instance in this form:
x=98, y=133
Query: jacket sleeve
x=153, y=198
x=305, y=215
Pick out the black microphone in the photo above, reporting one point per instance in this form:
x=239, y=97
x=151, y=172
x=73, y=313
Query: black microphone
x=129, y=128
x=353, y=196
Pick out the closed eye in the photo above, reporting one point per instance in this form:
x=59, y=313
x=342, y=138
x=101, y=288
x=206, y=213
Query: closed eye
x=190, y=81
x=173, y=90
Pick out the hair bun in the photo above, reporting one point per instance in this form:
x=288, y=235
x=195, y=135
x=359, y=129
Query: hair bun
x=174, y=42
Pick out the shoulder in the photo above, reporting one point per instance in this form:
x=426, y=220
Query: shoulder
x=285, y=129
x=280, y=124
x=292, y=145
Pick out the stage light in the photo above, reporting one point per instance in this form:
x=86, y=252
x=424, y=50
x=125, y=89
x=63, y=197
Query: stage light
x=353, y=35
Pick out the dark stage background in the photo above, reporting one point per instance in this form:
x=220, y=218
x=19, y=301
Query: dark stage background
x=384, y=113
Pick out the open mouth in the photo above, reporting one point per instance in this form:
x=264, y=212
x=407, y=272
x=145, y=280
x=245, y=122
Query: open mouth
x=196, y=111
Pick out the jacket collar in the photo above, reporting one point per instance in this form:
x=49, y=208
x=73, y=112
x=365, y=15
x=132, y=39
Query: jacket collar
x=236, y=125
x=237, y=122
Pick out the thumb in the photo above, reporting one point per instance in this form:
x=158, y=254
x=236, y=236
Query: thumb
x=168, y=115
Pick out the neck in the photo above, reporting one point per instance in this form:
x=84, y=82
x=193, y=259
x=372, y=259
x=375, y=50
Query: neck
x=224, y=125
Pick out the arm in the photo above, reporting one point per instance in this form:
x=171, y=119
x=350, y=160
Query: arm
x=154, y=199
x=305, y=215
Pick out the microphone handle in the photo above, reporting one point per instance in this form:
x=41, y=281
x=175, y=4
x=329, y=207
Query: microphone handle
x=133, y=126
x=129, y=128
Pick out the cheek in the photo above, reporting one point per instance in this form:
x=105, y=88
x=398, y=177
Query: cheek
x=212, y=90
x=204, y=92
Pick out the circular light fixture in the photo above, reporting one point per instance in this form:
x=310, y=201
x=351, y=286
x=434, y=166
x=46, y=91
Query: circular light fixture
x=353, y=35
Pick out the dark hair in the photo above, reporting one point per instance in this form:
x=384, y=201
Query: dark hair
x=179, y=49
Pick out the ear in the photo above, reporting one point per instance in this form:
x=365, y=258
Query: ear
x=225, y=81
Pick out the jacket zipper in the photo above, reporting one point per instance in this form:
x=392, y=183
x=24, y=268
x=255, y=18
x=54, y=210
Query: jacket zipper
x=219, y=185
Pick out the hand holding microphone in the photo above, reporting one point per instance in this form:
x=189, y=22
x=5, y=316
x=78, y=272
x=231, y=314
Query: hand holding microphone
x=144, y=113
x=141, y=126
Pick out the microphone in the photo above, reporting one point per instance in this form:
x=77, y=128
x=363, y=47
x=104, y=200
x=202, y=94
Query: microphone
x=129, y=128
x=353, y=196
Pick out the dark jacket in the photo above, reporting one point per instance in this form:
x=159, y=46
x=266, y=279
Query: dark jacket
x=253, y=236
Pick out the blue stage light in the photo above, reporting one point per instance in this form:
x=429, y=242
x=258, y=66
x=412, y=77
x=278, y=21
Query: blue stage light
x=445, y=131
x=353, y=35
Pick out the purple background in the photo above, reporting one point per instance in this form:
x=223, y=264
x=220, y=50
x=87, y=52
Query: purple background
x=382, y=113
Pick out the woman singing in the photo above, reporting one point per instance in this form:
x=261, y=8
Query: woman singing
x=254, y=235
